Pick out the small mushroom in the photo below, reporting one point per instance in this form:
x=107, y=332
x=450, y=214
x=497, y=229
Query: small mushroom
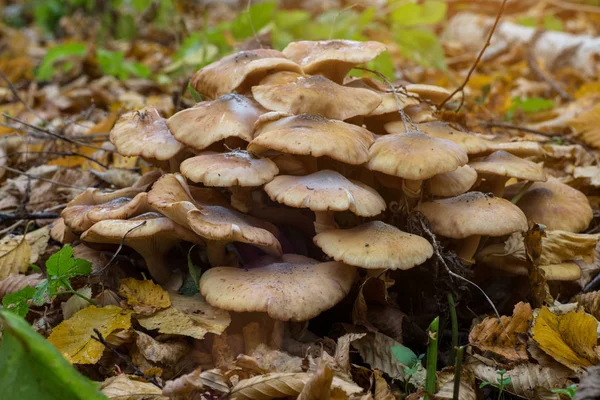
x=332, y=58
x=436, y=94
x=240, y=71
x=500, y=166
x=472, y=215
x=554, y=204
x=237, y=170
x=229, y=117
x=325, y=192
x=293, y=288
x=151, y=235
x=452, y=183
x=518, y=148
x=144, y=133
x=374, y=245
x=414, y=157
x=314, y=95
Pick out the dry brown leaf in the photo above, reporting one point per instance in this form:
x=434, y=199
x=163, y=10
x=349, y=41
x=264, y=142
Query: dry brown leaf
x=96, y=257
x=274, y=360
x=167, y=353
x=569, y=338
x=382, y=389
x=445, y=383
x=130, y=387
x=524, y=377
x=587, y=125
x=184, y=385
x=145, y=297
x=120, y=178
x=506, y=338
x=14, y=257
x=277, y=385
x=590, y=302
x=189, y=316
x=15, y=282
x=73, y=337
x=319, y=385
x=342, y=350
x=538, y=286
x=76, y=303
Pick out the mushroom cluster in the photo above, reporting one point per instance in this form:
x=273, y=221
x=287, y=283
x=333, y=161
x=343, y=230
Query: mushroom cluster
x=285, y=151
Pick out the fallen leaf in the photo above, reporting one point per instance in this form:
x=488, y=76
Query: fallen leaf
x=274, y=360
x=130, y=387
x=73, y=337
x=445, y=383
x=160, y=352
x=590, y=302
x=382, y=389
x=506, y=337
x=538, y=286
x=184, y=385
x=188, y=316
x=14, y=258
x=319, y=385
x=342, y=350
x=120, y=178
x=15, y=282
x=570, y=338
x=76, y=303
x=587, y=126
x=145, y=297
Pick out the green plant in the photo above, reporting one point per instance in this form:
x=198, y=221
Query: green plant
x=529, y=105
x=114, y=63
x=432, y=354
x=501, y=383
x=60, y=268
x=569, y=391
x=62, y=53
x=458, y=371
x=409, y=359
x=454, y=320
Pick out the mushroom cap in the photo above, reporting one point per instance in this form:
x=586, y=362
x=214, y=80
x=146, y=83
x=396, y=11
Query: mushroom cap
x=295, y=288
x=235, y=168
x=501, y=163
x=565, y=271
x=415, y=156
x=171, y=196
x=312, y=135
x=436, y=94
x=374, y=245
x=332, y=58
x=453, y=183
x=144, y=133
x=389, y=101
x=474, y=214
x=325, y=191
x=470, y=143
x=315, y=95
x=209, y=122
x=554, y=204
x=240, y=71
x=519, y=148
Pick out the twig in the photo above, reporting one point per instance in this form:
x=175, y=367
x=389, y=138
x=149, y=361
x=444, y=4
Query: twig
x=474, y=66
x=18, y=97
x=39, y=178
x=12, y=227
x=120, y=247
x=42, y=215
x=498, y=124
x=59, y=153
x=137, y=371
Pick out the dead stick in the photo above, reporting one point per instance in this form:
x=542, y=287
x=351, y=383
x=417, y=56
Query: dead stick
x=11, y=217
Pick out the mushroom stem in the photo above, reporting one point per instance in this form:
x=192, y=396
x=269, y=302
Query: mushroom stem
x=241, y=198
x=324, y=220
x=171, y=280
x=412, y=189
x=310, y=163
x=468, y=248
x=498, y=184
x=521, y=192
x=217, y=256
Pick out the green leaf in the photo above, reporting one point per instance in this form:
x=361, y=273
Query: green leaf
x=405, y=355
x=420, y=45
x=42, y=293
x=427, y=13
x=17, y=302
x=257, y=17
x=34, y=369
x=46, y=70
x=141, y=5
x=553, y=23
x=62, y=265
x=529, y=105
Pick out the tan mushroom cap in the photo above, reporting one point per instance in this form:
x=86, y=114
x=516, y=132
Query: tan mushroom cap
x=436, y=94
x=325, y=191
x=316, y=95
x=453, y=183
x=332, y=58
x=209, y=122
x=374, y=245
x=470, y=143
x=151, y=235
x=474, y=214
x=61, y=232
x=240, y=71
x=519, y=148
x=554, y=204
x=311, y=135
x=144, y=133
x=415, y=156
x=565, y=271
x=294, y=288
x=501, y=163
x=236, y=168
x=390, y=102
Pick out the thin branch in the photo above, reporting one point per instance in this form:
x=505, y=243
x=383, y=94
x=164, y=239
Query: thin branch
x=474, y=66
x=41, y=215
x=18, y=97
x=39, y=178
x=120, y=247
x=137, y=371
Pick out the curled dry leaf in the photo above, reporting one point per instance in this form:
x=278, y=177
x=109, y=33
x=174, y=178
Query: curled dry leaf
x=167, y=353
x=524, y=377
x=76, y=303
x=15, y=282
x=569, y=338
x=145, y=297
x=382, y=389
x=505, y=338
x=130, y=387
x=342, y=350
x=73, y=337
x=319, y=385
x=14, y=257
x=184, y=385
x=445, y=383
x=189, y=316
x=590, y=302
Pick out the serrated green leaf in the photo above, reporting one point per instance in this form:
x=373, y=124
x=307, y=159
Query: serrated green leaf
x=405, y=355
x=46, y=70
x=17, y=302
x=59, y=260
x=420, y=45
x=42, y=293
x=34, y=369
x=427, y=13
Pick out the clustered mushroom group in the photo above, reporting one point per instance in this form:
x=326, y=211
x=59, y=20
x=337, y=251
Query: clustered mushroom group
x=289, y=146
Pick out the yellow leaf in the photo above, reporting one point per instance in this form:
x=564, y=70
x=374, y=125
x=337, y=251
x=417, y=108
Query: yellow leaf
x=587, y=126
x=14, y=257
x=319, y=385
x=189, y=316
x=74, y=161
x=123, y=162
x=12, y=109
x=129, y=387
x=73, y=337
x=145, y=297
x=570, y=338
x=589, y=88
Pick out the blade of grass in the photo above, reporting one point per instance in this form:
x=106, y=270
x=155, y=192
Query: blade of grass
x=432, y=353
x=457, y=371
x=454, y=320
